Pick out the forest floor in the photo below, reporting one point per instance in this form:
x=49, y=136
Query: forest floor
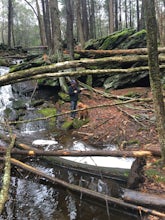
x=129, y=125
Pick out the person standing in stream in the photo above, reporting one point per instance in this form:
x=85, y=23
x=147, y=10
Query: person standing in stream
x=74, y=96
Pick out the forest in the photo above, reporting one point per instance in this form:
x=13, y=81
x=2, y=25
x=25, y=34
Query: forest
x=84, y=40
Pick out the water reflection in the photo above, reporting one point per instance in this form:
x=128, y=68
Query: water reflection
x=32, y=198
x=33, y=201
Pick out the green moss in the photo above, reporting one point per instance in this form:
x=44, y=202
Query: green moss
x=156, y=175
x=132, y=94
x=113, y=40
x=65, y=97
x=46, y=112
x=7, y=112
x=136, y=40
x=48, y=82
x=139, y=33
x=74, y=124
x=132, y=142
x=67, y=125
x=3, y=62
x=79, y=123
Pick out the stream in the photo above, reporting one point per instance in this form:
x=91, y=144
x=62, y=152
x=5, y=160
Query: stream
x=33, y=198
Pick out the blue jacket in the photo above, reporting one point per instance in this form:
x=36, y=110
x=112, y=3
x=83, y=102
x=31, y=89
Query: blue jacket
x=74, y=93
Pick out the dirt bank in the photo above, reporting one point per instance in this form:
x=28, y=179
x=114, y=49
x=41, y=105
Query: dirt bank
x=126, y=124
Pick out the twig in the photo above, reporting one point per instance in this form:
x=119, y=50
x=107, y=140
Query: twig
x=92, y=107
x=131, y=116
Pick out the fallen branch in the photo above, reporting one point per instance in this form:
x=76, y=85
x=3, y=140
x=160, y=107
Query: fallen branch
x=91, y=107
x=27, y=147
x=6, y=176
x=78, y=153
x=53, y=69
x=146, y=199
x=136, y=51
x=131, y=116
x=90, y=193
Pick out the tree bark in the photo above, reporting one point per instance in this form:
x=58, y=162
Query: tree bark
x=6, y=176
x=111, y=16
x=145, y=199
x=56, y=31
x=21, y=76
x=10, y=21
x=69, y=27
x=78, y=153
x=154, y=72
x=41, y=25
x=86, y=63
x=79, y=24
x=140, y=51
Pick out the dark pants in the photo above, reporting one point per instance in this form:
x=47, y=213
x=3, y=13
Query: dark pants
x=73, y=107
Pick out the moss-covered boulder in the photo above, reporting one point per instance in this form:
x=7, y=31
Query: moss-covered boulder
x=114, y=40
x=48, y=112
x=63, y=96
x=124, y=39
x=74, y=124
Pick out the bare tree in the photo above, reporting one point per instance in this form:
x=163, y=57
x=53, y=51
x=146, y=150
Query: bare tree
x=85, y=23
x=41, y=25
x=10, y=21
x=56, y=43
x=46, y=18
x=79, y=24
x=111, y=16
x=69, y=27
x=92, y=28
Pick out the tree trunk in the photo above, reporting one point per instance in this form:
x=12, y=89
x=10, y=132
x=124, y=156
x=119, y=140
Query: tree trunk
x=138, y=15
x=41, y=25
x=69, y=27
x=79, y=24
x=154, y=72
x=85, y=23
x=103, y=53
x=56, y=31
x=79, y=153
x=52, y=70
x=111, y=16
x=10, y=21
x=46, y=17
x=92, y=29
x=140, y=198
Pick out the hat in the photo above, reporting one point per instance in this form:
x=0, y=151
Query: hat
x=73, y=81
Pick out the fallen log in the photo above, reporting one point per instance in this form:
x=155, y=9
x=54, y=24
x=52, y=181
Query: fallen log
x=145, y=199
x=140, y=51
x=77, y=153
x=87, y=192
x=6, y=177
x=77, y=73
x=11, y=78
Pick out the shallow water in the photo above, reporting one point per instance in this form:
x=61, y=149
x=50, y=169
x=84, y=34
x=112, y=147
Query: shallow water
x=31, y=199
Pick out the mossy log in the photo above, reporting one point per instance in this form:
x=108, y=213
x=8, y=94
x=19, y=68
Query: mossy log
x=44, y=71
x=6, y=176
x=105, y=53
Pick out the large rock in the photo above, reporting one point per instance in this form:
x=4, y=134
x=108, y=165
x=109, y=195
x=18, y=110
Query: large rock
x=125, y=39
